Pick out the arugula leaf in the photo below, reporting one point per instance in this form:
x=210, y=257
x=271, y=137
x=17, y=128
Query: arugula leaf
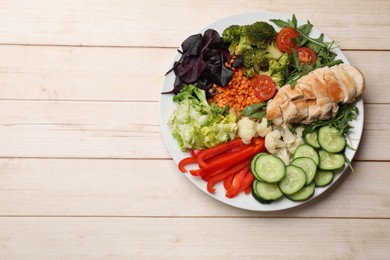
x=282, y=23
x=323, y=49
x=346, y=114
x=255, y=111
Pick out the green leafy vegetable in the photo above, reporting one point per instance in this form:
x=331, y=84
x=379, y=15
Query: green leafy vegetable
x=254, y=111
x=323, y=49
x=198, y=125
x=346, y=114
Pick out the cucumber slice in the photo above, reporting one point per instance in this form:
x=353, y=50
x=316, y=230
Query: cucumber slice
x=304, y=193
x=311, y=139
x=293, y=181
x=331, y=161
x=253, y=162
x=331, y=139
x=323, y=178
x=265, y=192
x=308, y=166
x=269, y=168
x=306, y=150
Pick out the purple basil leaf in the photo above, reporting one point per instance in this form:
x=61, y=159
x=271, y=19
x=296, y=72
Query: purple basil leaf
x=238, y=62
x=192, y=46
x=226, y=76
x=212, y=37
x=190, y=69
x=216, y=71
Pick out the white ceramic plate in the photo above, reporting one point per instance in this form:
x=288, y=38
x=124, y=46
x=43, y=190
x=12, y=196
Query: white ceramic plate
x=245, y=201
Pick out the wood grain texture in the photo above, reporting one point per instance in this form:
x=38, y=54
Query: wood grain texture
x=68, y=129
x=89, y=187
x=355, y=25
x=124, y=74
x=193, y=238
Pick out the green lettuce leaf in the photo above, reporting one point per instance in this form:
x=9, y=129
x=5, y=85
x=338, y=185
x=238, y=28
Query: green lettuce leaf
x=196, y=124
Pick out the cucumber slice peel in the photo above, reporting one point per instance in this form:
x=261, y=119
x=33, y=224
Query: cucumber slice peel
x=269, y=168
x=306, y=150
x=294, y=180
x=323, y=178
x=308, y=166
x=304, y=193
x=265, y=192
x=312, y=140
x=331, y=161
x=331, y=140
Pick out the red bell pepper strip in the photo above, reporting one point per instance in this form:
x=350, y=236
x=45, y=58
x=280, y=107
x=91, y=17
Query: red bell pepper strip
x=195, y=153
x=227, y=182
x=213, y=151
x=225, y=174
x=186, y=161
x=236, y=183
x=207, y=177
x=223, y=154
x=246, y=183
x=226, y=161
x=231, y=158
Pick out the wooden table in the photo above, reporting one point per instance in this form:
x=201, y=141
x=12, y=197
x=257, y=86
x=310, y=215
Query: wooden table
x=85, y=172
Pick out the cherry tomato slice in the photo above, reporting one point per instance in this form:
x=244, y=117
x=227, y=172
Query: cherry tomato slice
x=306, y=55
x=284, y=40
x=264, y=87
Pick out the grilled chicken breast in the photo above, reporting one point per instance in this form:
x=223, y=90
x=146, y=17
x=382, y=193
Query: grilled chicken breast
x=316, y=95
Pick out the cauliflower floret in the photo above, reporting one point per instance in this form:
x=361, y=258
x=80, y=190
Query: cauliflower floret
x=284, y=155
x=298, y=140
x=273, y=141
x=299, y=131
x=263, y=128
x=246, y=129
x=288, y=136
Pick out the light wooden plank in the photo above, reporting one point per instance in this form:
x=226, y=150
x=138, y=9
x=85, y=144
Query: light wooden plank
x=124, y=74
x=376, y=77
x=177, y=238
x=78, y=129
x=122, y=130
x=355, y=24
x=73, y=73
x=55, y=187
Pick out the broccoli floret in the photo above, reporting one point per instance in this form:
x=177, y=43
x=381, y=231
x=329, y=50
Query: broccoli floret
x=232, y=35
x=243, y=45
x=273, y=51
x=278, y=77
x=245, y=37
x=260, y=34
x=278, y=69
x=280, y=64
x=249, y=72
x=254, y=61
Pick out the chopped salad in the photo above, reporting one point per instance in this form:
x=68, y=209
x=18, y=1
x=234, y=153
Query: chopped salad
x=223, y=88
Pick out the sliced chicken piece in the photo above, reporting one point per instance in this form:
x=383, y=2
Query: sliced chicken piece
x=357, y=75
x=307, y=90
x=302, y=109
x=293, y=93
x=289, y=111
x=316, y=95
x=328, y=79
x=346, y=82
x=273, y=107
